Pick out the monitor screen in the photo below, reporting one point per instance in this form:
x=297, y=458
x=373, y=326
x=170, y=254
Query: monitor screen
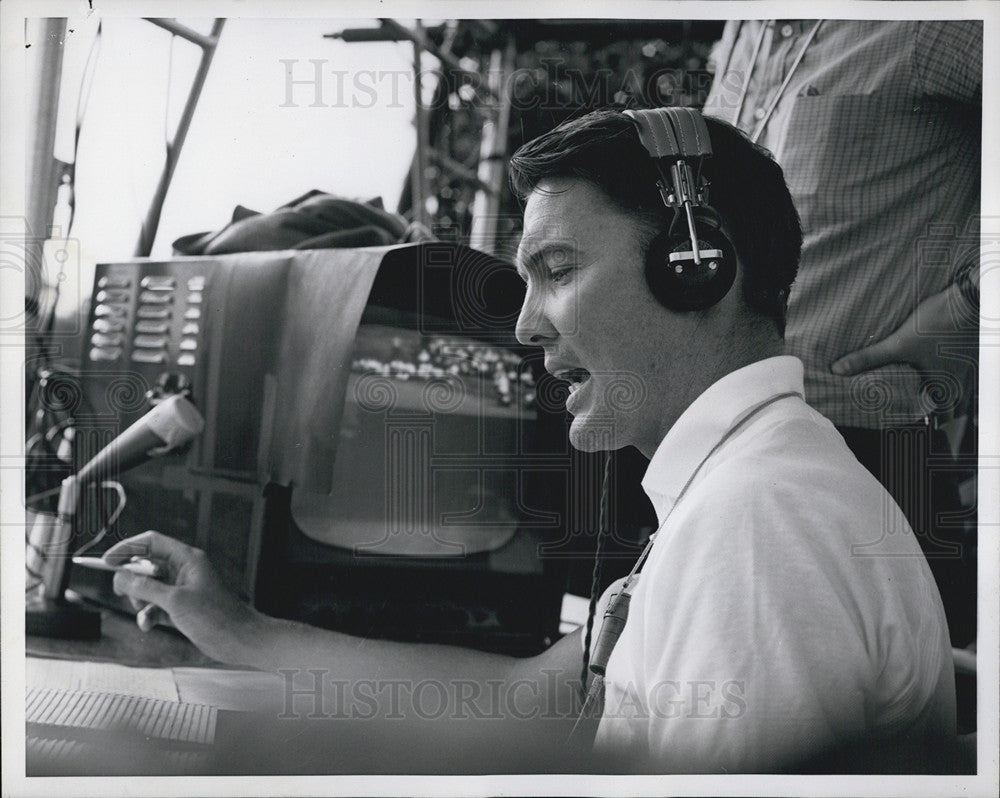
x=427, y=449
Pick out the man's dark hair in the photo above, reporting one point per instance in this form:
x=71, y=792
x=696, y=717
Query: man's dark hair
x=747, y=190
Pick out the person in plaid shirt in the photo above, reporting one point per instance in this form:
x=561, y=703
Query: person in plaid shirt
x=876, y=125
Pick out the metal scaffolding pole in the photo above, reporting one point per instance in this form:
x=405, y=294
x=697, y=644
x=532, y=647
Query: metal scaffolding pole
x=418, y=176
x=43, y=169
x=207, y=44
x=493, y=153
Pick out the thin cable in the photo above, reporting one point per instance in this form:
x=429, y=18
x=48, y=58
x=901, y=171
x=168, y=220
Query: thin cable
x=111, y=520
x=595, y=579
x=82, y=101
x=750, y=66
x=38, y=577
x=166, y=109
x=44, y=494
x=31, y=572
x=721, y=71
x=784, y=84
x=33, y=441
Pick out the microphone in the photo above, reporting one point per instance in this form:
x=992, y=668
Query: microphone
x=169, y=425
x=172, y=423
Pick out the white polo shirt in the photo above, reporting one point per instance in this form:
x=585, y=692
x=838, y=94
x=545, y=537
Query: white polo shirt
x=785, y=605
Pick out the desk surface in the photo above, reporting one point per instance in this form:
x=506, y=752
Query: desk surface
x=264, y=736
x=127, y=660
x=175, y=684
x=123, y=642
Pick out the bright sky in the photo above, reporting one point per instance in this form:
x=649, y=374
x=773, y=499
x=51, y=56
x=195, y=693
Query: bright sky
x=247, y=143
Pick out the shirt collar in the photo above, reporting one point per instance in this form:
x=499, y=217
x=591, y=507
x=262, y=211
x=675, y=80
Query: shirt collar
x=708, y=418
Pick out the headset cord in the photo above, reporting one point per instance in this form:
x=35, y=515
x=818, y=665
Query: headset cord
x=595, y=579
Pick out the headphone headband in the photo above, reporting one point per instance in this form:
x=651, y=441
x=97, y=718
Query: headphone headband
x=676, y=139
x=672, y=132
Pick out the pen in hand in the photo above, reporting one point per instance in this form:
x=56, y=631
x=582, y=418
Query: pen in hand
x=149, y=615
x=137, y=565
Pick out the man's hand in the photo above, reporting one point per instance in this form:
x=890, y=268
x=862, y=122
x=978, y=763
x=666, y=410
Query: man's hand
x=943, y=318
x=189, y=592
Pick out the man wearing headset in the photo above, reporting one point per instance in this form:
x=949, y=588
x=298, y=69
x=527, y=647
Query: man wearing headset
x=658, y=246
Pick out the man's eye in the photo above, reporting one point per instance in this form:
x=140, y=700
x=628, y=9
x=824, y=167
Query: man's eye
x=560, y=276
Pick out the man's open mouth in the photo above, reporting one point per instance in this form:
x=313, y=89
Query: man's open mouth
x=574, y=378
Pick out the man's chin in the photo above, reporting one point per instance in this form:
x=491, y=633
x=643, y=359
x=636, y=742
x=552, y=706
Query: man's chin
x=590, y=435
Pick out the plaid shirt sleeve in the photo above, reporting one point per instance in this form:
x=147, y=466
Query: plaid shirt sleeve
x=948, y=60
x=948, y=64
x=879, y=136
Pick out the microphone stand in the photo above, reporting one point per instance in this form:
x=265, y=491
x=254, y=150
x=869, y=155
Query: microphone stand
x=48, y=612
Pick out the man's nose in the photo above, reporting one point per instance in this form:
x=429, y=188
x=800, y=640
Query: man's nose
x=533, y=327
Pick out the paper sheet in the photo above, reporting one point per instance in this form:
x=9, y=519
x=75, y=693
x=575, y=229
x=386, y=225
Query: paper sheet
x=573, y=613
x=248, y=691
x=100, y=677
x=53, y=714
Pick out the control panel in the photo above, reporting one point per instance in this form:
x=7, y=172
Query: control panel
x=145, y=317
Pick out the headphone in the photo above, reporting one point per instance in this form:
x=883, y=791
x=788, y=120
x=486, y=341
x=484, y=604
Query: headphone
x=691, y=265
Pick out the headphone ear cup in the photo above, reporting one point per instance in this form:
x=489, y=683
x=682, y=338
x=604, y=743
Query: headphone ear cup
x=681, y=284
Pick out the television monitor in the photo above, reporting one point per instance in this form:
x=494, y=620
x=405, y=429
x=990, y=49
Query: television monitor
x=380, y=455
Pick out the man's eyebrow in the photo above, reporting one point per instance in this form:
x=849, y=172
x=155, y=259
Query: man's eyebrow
x=536, y=255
